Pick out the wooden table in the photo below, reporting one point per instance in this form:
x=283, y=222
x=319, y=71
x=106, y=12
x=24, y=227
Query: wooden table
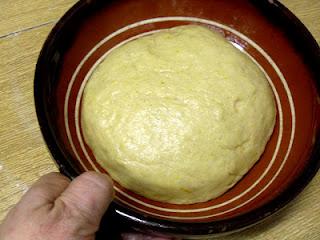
x=24, y=157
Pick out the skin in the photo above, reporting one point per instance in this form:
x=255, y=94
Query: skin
x=55, y=208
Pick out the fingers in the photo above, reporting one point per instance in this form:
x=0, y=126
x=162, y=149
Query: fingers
x=54, y=208
x=23, y=220
x=88, y=196
x=45, y=191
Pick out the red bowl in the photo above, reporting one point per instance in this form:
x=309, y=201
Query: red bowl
x=272, y=36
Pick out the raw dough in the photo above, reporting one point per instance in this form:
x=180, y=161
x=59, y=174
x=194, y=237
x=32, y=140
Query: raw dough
x=178, y=116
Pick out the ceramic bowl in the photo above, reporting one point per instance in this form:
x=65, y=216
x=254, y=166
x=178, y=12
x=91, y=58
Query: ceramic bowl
x=271, y=35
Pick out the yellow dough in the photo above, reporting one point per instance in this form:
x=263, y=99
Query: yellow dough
x=178, y=116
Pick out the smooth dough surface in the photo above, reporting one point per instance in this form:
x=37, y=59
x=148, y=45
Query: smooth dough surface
x=178, y=116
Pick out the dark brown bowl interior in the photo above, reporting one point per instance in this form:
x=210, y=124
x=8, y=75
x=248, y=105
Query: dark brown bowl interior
x=266, y=24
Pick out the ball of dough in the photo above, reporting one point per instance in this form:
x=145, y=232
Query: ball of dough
x=178, y=116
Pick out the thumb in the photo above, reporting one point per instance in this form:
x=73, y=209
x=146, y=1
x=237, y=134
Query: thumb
x=85, y=201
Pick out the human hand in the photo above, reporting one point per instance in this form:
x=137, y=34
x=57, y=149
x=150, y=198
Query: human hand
x=55, y=208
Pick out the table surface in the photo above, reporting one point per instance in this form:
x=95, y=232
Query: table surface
x=23, y=153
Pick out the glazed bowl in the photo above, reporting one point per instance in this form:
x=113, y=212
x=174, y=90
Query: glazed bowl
x=265, y=30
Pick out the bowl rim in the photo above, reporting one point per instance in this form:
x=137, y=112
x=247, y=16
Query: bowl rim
x=131, y=218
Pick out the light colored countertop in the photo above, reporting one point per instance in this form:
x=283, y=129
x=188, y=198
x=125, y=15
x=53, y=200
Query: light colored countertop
x=24, y=157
